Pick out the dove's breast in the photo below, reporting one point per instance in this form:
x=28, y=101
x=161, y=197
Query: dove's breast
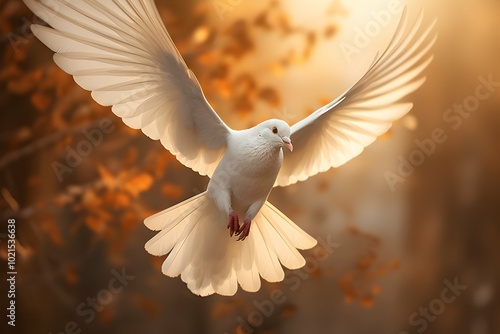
x=248, y=170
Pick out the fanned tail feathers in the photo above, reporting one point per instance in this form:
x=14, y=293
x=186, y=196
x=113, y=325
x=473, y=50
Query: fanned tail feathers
x=209, y=261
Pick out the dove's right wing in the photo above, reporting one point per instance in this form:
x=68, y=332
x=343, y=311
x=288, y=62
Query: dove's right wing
x=121, y=51
x=339, y=131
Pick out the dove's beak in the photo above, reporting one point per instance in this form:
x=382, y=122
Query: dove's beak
x=288, y=143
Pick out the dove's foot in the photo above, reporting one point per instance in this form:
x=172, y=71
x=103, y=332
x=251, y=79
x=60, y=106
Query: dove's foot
x=244, y=230
x=233, y=224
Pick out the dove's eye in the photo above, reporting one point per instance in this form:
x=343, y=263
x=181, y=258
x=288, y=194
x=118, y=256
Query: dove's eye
x=275, y=129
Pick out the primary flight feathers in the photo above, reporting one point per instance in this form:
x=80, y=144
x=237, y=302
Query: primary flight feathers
x=121, y=51
x=339, y=131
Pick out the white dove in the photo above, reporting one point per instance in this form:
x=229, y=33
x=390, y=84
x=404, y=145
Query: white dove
x=121, y=51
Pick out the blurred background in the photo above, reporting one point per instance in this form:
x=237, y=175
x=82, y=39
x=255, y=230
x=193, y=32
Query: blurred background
x=401, y=251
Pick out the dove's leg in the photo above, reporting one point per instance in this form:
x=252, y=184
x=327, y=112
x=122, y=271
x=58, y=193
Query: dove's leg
x=222, y=199
x=252, y=211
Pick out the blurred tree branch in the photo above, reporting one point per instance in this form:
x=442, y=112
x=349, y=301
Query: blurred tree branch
x=45, y=141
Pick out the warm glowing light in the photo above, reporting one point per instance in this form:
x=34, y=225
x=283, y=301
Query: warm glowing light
x=410, y=122
x=201, y=34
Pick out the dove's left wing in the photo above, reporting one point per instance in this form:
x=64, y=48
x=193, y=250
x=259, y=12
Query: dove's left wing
x=121, y=51
x=339, y=131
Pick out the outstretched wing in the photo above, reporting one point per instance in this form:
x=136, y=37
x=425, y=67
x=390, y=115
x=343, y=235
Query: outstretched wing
x=339, y=131
x=121, y=51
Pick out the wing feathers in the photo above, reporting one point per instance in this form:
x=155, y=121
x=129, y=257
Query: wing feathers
x=121, y=51
x=339, y=131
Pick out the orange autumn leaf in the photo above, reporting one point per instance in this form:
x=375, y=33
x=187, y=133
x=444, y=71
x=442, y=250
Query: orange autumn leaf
x=22, y=134
x=121, y=200
x=9, y=72
x=310, y=42
x=25, y=83
x=357, y=232
x=106, y=315
x=394, y=264
x=349, y=298
x=346, y=284
x=367, y=302
x=128, y=222
x=224, y=308
x=138, y=184
x=240, y=330
x=70, y=275
x=223, y=88
x=220, y=72
x=366, y=261
x=49, y=226
x=130, y=131
x=317, y=272
x=277, y=69
x=156, y=262
x=208, y=58
x=386, y=135
x=90, y=199
x=288, y=311
x=95, y=224
x=34, y=181
x=160, y=164
x=131, y=156
x=148, y=305
x=172, y=191
x=107, y=178
x=74, y=190
x=262, y=21
x=271, y=96
x=324, y=100
x=283, y=23
x=330, y=31
x=322, y=186
x=376, y=289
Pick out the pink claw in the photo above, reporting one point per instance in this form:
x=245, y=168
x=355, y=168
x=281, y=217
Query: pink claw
x=244, y=230
x=233, y=224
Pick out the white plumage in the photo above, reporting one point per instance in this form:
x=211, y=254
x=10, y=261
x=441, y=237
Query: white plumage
x=121, y=51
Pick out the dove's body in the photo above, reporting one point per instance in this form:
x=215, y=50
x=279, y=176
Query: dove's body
x=240, y=184
x=246, y=174
x=121, y=51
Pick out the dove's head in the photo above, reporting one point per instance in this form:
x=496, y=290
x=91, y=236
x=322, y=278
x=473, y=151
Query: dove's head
x=276, y=132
